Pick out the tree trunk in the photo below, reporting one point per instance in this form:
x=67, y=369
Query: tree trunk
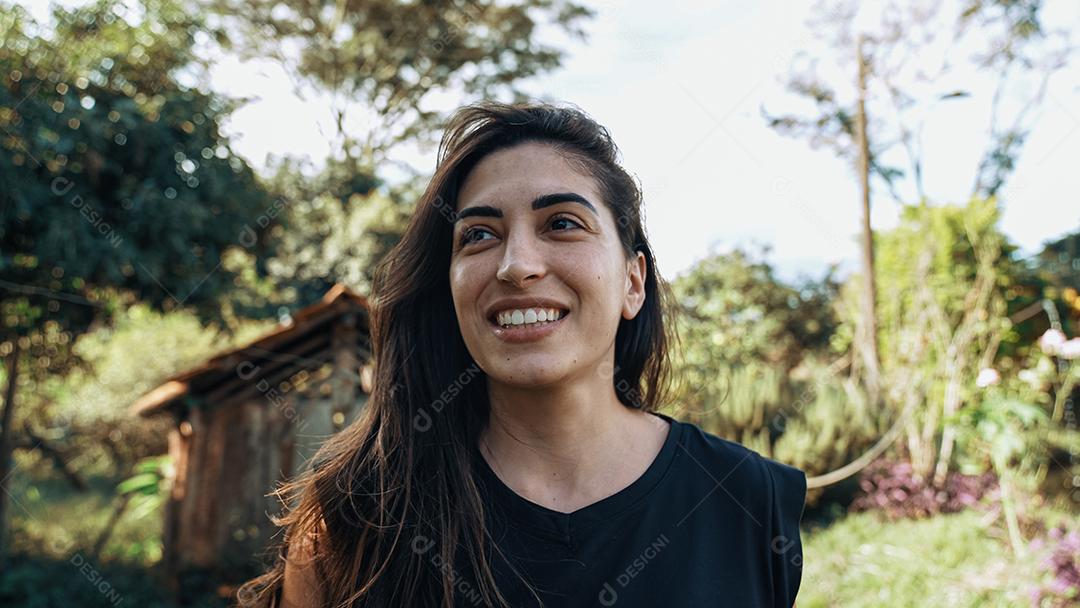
x=6, y=440
x=110, y=526
x=59, y=459
x=869, y=345
x=950, y=405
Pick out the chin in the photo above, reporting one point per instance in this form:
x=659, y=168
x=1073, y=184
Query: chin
x=509, y=373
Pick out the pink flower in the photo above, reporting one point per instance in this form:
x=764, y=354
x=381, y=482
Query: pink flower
x=1070, y=349
x=1051, y=341
x=1031, y=377
x=987, y=377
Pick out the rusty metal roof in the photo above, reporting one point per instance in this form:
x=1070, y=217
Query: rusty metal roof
x=339, y=300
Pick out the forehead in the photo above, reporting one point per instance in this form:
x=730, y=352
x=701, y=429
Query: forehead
x=516, y=175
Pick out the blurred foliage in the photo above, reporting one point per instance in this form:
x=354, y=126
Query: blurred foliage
x=53, y=533
x=995, y=431
x=941, y=279
x=116, y=188
x=947, y=285
x=1059, y=263
x=86, y=411
x=162, y=344
x=388, y=59
x=892, y=489
x=116, y=185
x=752, y=354
x=910, y=49
x=340, y=224
x=1059, y=554
x=735, y=309
x=149, y=485
x=828, y=424
x=44, y=523
x=944, y=238
x=1052, y=274
x=998, y=426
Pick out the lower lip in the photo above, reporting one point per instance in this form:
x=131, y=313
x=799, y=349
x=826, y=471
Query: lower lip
x=530, y=333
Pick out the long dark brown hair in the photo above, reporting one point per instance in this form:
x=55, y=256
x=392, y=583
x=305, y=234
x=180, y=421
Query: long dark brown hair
x=402, y=471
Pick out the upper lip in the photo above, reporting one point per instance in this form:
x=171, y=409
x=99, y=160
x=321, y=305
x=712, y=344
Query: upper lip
x=522, y=303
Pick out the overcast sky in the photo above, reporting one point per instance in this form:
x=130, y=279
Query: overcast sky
x=680, y=85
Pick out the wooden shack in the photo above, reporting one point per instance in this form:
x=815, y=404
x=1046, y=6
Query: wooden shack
x=250, y=417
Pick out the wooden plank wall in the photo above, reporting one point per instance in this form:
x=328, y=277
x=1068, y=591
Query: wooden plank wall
x=229, y=457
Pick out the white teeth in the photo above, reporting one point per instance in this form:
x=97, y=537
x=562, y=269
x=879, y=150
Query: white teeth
x=527, y=316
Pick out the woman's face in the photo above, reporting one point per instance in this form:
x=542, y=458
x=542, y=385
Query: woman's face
x=533, y=234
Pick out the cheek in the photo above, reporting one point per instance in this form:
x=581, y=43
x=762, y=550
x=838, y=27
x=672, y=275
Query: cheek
x=466, y=284
x=594, y=274
x=462, y=277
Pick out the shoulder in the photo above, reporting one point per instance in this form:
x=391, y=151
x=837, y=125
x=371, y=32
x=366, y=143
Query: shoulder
x=745, y=473
x=302, y=585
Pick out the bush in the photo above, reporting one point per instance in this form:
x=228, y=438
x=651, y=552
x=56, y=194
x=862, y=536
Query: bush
x=811, y=418
x=1060, y=552
x=893, y=489
x=827, y=425
x=752, y=367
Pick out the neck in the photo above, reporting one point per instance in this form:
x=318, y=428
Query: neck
x=561, y=440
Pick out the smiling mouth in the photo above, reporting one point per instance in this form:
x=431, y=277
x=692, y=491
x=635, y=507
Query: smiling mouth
x=493, y=319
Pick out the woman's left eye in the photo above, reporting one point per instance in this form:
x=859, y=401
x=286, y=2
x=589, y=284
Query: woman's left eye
x=566, y=219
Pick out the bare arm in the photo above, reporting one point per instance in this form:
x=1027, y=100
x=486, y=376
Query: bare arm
x=301, y=587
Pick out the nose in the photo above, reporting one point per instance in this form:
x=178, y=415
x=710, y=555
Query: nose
x=522, y=261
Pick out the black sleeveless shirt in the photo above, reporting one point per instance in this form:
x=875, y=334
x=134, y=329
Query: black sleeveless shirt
x=709, y=523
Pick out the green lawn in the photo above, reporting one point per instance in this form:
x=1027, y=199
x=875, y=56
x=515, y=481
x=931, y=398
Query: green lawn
x=955, y=560
x=52, y=529
x=50, y=518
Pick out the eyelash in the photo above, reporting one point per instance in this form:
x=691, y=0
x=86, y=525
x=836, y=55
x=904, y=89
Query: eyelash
x=465, y=234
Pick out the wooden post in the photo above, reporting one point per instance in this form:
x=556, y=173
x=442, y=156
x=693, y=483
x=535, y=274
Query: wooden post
x=346, y=381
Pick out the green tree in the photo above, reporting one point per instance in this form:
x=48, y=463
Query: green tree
x=116, y=185
x=336, y=227
x=743, y=331
x=910, y=51
x=381, y=64
x=901, y=55
x=385, y=60
x=943, y=276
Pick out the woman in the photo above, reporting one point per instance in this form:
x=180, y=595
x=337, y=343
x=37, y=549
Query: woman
x=511, y=453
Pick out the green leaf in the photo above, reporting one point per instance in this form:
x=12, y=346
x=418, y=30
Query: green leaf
x=143, y=483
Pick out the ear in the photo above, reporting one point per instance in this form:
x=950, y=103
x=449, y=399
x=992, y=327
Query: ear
x=636, y=270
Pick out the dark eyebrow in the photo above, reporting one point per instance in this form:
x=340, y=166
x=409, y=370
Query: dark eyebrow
x=545, y=200
x=548, y=200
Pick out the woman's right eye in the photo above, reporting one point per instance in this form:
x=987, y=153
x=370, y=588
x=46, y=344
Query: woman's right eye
x=466, y=236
